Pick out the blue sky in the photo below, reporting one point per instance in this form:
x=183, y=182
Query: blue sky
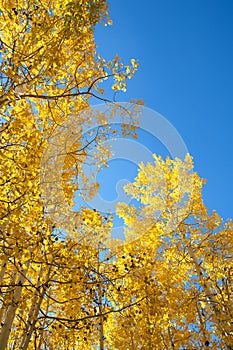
x=185, y=52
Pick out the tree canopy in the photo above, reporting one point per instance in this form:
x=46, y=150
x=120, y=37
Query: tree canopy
x=169, y=286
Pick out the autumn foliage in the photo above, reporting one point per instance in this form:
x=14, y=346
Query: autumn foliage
x=170, y=285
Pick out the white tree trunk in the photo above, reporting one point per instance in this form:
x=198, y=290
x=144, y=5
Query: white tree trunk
x=10, y=312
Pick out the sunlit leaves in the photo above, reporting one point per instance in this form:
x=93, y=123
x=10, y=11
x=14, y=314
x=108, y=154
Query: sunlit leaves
x=170, y=285
x=184, y=272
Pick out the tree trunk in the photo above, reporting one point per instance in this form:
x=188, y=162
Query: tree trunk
x=209, y=294
x=33, y=312
x=10, y=313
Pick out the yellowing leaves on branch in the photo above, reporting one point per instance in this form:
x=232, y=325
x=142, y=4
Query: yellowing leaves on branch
x=169, y=286
x=185, y=270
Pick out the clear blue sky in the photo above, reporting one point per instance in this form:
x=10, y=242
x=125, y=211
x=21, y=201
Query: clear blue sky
x=185, y=52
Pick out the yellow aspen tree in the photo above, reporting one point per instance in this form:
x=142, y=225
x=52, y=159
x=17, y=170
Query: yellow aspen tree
x=49, y=70
x=185, y=280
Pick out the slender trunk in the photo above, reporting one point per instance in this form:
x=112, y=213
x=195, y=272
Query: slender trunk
x=209, y=294
x=33, y=312
x=8, y=295
x=27, y=337
x=202, y=325
x=101, y=321
x=148, y=328
x=41, y=335
x=10, y=313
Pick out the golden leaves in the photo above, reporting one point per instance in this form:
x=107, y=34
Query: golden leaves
x=185, y=249
x=170, y=285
